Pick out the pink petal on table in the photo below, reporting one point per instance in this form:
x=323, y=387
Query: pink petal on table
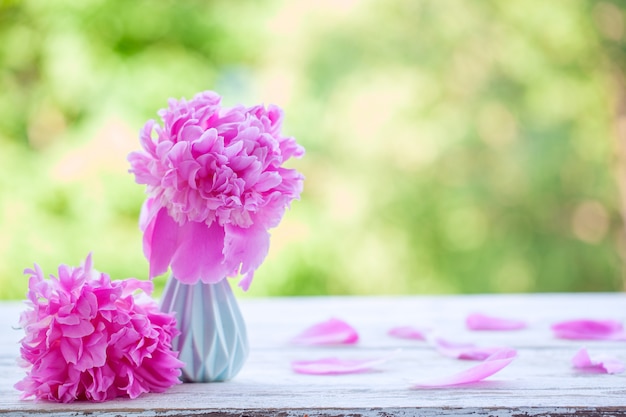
x=336, y=366
x=488, y=367
x=408, y=332
x=586, y=329
x=600, y=363
x=478, y=321
x=466, y=351
x=330, y=332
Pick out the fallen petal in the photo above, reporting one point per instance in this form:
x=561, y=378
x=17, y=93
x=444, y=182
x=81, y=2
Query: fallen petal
x=408, y=332
x=478, y=321
x=330, y=332
x=336, y=366
x=599, y=363
x=587, y=329
x=488, y=367
x=466, y=351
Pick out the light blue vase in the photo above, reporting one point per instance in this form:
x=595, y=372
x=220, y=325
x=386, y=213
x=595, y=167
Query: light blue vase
x=213, y=342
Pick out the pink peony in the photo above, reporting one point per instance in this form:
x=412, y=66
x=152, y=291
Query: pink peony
x=215, y=185
x=89, y=338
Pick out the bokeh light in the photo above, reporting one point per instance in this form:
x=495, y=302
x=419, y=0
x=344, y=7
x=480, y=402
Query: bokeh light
x=452, y=146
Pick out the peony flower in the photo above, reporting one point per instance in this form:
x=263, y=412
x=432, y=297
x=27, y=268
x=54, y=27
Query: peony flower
x=216, y=183
x=90, y=338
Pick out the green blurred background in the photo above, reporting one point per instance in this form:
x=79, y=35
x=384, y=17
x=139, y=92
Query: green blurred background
x=452, y=146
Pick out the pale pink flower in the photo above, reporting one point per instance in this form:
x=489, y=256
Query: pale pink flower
x=215, y=183
x=90, y=338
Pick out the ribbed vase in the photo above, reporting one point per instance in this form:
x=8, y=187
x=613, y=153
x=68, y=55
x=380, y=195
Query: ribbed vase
x=213, y=342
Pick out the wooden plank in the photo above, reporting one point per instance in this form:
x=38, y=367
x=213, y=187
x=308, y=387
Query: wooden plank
x=540, y=382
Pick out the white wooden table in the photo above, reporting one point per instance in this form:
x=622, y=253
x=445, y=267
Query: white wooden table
x=539, y=382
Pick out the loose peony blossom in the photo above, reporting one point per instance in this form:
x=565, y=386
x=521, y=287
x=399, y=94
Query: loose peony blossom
x=90, y=338
x=215, y=183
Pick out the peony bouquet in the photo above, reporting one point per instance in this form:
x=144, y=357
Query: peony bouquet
x=215, y=183
x=91, y=338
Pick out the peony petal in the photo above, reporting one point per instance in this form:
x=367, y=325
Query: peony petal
x=267, y=181
x=587, y=329
x=71, y=349
x=248, y=247
x=198, y=256
x=336, y=366
x=246, y=280
x=465, y=351
x=478, y=321
x=160, y=243
x=149, y=210
x=83, y=328
x=600, y=363
x=408, y=332
x=133, y=285
x=488, y=367
x=331, y=332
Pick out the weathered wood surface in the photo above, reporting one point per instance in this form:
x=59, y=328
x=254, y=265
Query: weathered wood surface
x=540, y=382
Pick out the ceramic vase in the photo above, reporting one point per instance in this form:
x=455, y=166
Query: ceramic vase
x=213, y=342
